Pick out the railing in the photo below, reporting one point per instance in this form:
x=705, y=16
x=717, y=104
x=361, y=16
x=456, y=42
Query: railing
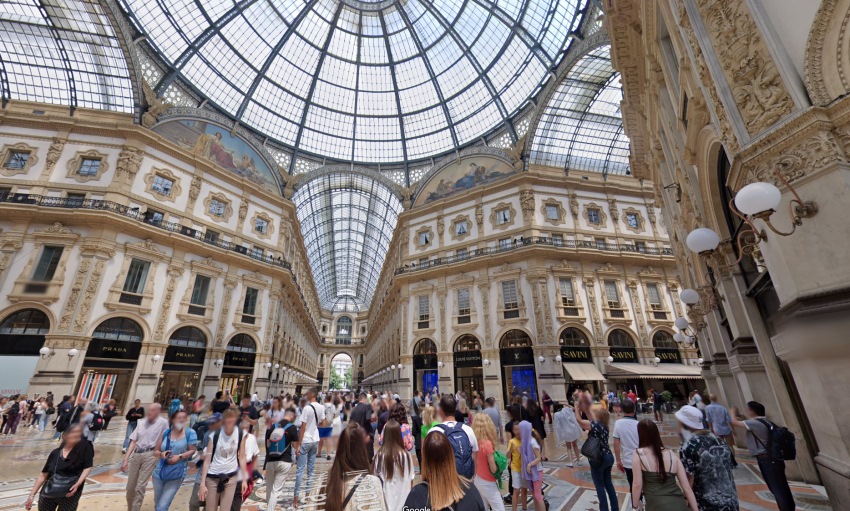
x=527, y=242
x=138, y=215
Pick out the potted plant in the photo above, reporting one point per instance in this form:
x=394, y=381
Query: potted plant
x=668, y=400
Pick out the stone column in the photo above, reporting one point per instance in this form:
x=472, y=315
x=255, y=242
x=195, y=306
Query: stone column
x=59, y=371
x=493, y=377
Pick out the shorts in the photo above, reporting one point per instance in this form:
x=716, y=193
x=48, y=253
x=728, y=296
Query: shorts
x=325, y=432
x=656, y=407
x=537, y=489
x=517, y=481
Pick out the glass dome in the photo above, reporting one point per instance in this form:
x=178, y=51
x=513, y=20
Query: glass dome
x=362, y=80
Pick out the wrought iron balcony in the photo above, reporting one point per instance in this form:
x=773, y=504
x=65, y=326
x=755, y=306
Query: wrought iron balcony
x=521, y=243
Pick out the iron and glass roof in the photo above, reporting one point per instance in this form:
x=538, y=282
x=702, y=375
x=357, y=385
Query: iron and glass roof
x=359, y=80
x=64, y=53
x=582, y=127
x=347, y=220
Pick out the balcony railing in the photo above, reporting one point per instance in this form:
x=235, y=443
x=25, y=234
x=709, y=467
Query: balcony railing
x=527, y=242
x=138, y=215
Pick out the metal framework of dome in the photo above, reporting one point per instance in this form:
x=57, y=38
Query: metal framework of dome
x=581, y=127
x=358, y=80
x=64, y=55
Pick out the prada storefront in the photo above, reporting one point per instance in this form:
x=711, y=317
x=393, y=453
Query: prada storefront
x=183, y=364
x=110, y=361
x=238, y=366
x=580, y=373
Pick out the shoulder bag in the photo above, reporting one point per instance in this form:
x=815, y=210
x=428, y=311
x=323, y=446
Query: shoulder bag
x=592, y=449
x=171, y=472
x=58, y=485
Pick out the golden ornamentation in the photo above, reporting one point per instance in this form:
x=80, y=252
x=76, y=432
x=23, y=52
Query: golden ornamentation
x=156, y=106
x=20, y=147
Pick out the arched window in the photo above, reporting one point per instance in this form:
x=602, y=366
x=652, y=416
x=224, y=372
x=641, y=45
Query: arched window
x=344, y=325
x=467, y=343
x=119, y=329
x=425, y=347
x=663, y=339
x=573, y=337
x=620, y=339
x=242, y=343
x=188, y=336
x=515, y=339
x=26, y=322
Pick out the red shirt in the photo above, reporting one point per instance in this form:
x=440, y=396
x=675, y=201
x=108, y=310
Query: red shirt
x=633, y=397
x=485, y=449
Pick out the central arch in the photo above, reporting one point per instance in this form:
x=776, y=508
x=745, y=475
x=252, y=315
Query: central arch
x=341, y=372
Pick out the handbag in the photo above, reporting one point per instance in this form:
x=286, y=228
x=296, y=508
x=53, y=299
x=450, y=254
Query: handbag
x=58, y=485
x=170, y=472
x=592, y=450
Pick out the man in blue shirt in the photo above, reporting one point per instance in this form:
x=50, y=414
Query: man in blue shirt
x=720, y=422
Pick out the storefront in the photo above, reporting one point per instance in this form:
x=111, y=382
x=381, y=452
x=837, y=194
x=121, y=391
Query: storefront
x=183, y=364
x=238, y=366
x=622, y=349
x=21, y=337
x=519, y=377
x=425, y=376
x=110, y=362
x=580, y=373
x=469, y=375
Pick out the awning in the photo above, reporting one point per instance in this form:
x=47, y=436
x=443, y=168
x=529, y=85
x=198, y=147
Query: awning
x=660, y=372
x=583, y=372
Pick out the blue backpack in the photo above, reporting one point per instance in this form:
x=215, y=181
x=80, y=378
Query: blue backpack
x=279, y=447
x=462, y=448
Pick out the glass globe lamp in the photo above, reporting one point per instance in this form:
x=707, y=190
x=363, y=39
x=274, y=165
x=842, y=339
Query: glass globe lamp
x=758, y=198
x=702, y=240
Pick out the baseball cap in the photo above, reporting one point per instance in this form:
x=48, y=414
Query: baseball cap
x=690, y=416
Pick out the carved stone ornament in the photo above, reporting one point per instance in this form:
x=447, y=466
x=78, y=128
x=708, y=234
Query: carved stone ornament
x=53, y=153
x=243, y=211
x=156, y=106
x=172, y=194
x=553, y=203
x=757, y=87
x=603, y=218
x=56, y=228
x=827, y=62
x=194, y=190
x=526, y=204
x=479, y=215
x=11, y=168
x=73, y=166
x=226, y=212
x=129, y=162
x=574, y=205
x=615, y=213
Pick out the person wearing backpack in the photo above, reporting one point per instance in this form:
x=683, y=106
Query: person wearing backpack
x=461, y=437
x=224, y=460
x=312, y=417
x=771, y=445
x=281, y=438
x=174, y=449
x=92, y=421
x=489, y=463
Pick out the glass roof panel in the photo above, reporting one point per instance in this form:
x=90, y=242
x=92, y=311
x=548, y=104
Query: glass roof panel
x=309, y=64
x=582, y=127
x=346, y=219
x=66, y=55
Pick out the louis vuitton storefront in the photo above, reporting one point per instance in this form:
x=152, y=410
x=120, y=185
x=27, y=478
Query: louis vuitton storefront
x=110, y=362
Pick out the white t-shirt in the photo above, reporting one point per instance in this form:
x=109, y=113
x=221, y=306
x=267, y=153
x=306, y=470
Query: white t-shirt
x=226, y=459
x=330, y=413
x=310, y=421
x=626, y=430
x=251, y=449
x=466, y=429
x=397, y=488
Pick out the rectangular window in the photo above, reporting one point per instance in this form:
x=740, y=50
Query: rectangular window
x=504, y=243
x=199, y=295
x=510, y=301
x=261, y=226
x=612, y=294
x=424, y=312
x=424, y=238
x=503, y=216
x=463, y=306
x=601, y=244
x=593, y=216
x=17, y=160
x=553, y=212
x=257, y=252
x=461, y=228
x=153, y=216
x=640, y=246
x=137, y=276
x=75, y=200
x=568, y=299
x=655, y=303
x=162, y=185
x=249, y=307
x=47, y=264
x=217, y=208
x=632, y=220
x=211, y=236
x=461, y=254
x=558, y=240
x=89, y=167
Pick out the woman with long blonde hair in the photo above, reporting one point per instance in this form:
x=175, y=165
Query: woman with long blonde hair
x=429, y=420
x=441, y=486
x=485, y=463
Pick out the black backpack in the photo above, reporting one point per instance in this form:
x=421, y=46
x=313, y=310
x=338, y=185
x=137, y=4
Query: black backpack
x=13, y=410
x=97, y=422
x=781, y=443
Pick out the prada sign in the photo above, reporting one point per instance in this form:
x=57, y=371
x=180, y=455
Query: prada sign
x=576, y=354
x=624, y=355
x=668, y=355
x=517, y=356
x=185, y=355
x=425, y=361
x=467, y=358
x=108, y=348
x=239, y=359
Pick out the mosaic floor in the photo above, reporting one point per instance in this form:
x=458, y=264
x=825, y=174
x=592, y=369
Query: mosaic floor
x=566, y=488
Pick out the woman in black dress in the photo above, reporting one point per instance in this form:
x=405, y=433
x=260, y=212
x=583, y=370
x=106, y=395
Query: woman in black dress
x=64, y=474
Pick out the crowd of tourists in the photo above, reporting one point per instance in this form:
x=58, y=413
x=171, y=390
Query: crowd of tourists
x=460, y=444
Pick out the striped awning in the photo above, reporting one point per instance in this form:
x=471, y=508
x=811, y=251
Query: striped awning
x=658, y=372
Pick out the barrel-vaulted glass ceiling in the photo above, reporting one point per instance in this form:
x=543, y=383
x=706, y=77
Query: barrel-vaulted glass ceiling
x=364, y=81
x=347, y=220
x=64, y=53
x=581, y=126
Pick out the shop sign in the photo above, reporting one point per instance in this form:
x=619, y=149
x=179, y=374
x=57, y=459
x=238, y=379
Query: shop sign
x=108, y=348
x=517, y=356
x=624, y=355
x=425, y=361
x=467, y=358
x=668, y=355
x=239, y=359
x=185, y=355
x=576, y=354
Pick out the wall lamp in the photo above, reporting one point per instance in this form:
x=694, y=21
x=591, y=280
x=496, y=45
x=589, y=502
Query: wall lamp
x=46, y=352
x=655, y=361
x=156, y=358
x=218, y=362
x=486, y=362
x=558, y=359
x=678, y=188
x=754, y=201
x=700, y=303
x=686, y=340
x=73, y=352
x=610, y=360
x=267, y=365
